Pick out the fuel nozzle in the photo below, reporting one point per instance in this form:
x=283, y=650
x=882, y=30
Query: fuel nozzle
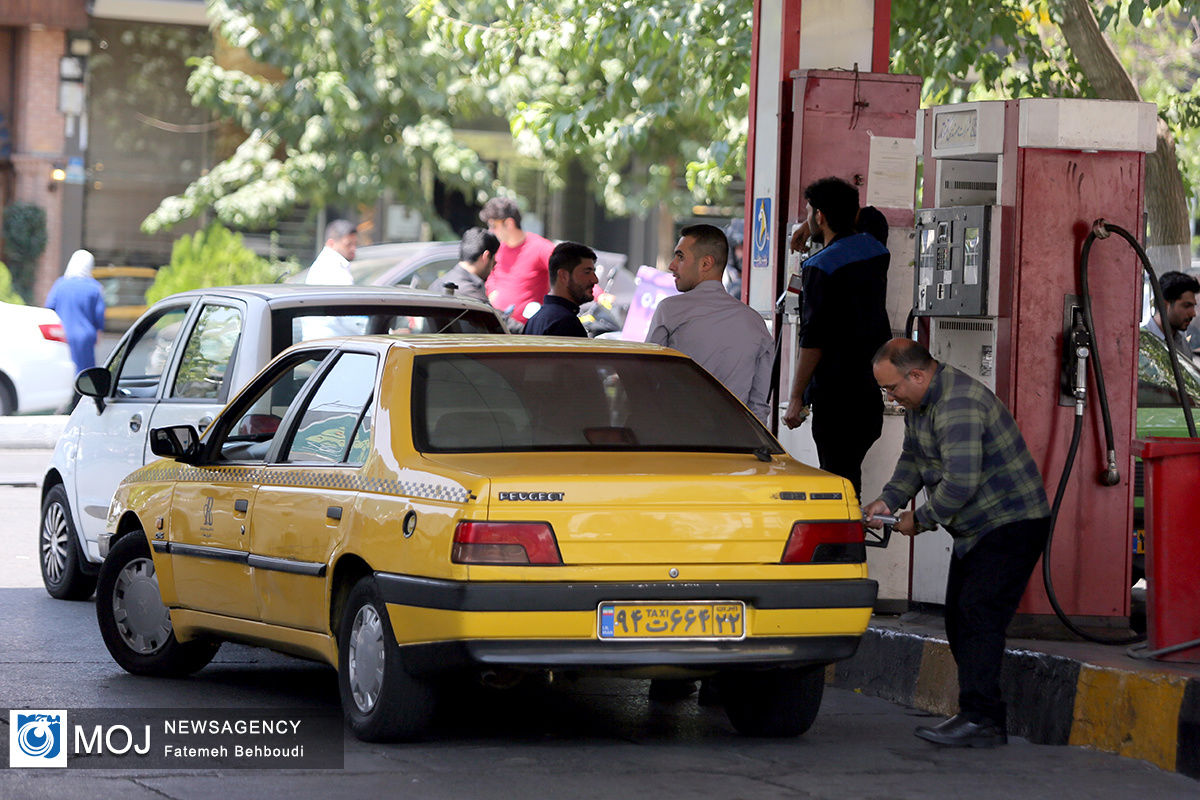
x=1080, y=349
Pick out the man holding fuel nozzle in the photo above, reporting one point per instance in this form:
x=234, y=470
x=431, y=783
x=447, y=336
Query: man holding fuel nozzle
x=963, y=447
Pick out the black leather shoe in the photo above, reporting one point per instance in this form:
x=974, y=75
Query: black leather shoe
x=959, y=731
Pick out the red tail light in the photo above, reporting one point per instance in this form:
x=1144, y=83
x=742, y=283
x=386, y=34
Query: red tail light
x=53, y=331
x=839, y=542
x=505, y=543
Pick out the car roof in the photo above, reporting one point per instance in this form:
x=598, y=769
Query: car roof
x=507, y=343
x=302, y=293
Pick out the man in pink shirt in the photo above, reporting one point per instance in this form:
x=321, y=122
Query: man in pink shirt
x=522, y=272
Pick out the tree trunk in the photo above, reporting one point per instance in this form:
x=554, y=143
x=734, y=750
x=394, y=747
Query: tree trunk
x=1169, y=237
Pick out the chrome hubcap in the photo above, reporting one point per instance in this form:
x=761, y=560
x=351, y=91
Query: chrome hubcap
x=142, y=620
x=54, y=542
x=366, y=658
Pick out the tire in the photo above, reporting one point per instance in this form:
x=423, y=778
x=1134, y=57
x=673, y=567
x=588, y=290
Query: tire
x=134, y=623
x=381, y=701
x=776, y=703
x=63, y=574
x=8, y=398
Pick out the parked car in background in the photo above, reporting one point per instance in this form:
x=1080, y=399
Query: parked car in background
x=180, y=363
x=413, y=265
x=416, y=265
x=412, y=510
x=124, y=294
x=35, y=363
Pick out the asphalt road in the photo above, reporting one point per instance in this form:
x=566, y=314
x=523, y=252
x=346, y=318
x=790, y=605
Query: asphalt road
x=577, y=739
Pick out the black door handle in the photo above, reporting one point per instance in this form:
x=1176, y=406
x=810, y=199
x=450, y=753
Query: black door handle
x=334, y=512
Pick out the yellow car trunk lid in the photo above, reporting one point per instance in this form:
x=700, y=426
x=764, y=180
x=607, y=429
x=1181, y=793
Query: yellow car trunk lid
x=646, y=508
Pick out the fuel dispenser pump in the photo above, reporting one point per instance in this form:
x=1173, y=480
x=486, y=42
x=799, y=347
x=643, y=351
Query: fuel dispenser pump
x=1010, y=192
x=1078, y=346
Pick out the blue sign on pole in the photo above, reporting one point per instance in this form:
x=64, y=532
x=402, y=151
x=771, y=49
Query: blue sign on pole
x=760, y=233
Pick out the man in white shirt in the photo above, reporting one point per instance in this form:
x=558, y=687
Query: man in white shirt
x=721, y=333
x=332, y=265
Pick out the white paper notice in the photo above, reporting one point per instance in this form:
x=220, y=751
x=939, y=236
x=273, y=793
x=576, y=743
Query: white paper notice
x=892, y=172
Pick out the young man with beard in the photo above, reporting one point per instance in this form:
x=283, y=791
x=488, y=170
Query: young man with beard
x=572, y=276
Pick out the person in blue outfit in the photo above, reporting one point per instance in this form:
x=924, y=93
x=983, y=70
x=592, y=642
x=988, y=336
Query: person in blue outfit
x=79, y=302
x=843, y=322
x=572, y=276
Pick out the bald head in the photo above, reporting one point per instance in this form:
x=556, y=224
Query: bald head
x=903, y=368
x=904, y=354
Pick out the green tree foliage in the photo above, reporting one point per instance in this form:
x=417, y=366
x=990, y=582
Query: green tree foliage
x=647, y=96
x=214, y=256
x=24, y=243
x=366, y=101
x=640, y=93
x=7, y=293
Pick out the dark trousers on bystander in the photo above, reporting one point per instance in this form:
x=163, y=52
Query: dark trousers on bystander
x=982, y=593
x=844, y=428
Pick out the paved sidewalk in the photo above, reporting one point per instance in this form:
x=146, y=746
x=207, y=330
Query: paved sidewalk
x=1075, y=693
x=31, y=432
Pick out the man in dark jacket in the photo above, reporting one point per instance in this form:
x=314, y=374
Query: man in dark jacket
x=572, y=276
x=843, y=321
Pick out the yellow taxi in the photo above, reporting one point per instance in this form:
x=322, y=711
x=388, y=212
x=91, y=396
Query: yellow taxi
x=411, y=508
x=124, y=294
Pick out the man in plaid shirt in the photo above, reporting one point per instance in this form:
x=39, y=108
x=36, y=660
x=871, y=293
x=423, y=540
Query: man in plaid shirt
x=964, y=448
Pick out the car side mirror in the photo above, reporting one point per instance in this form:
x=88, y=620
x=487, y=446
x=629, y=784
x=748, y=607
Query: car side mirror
x=180, y=442
x=94, y=382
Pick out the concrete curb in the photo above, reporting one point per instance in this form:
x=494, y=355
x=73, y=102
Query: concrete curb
x=1147, y=710
x=31, y=432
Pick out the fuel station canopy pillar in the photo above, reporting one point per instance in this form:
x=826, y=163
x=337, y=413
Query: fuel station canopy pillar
x=1011, y=189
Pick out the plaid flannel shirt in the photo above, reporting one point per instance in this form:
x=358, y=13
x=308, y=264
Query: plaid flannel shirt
x=963, y=445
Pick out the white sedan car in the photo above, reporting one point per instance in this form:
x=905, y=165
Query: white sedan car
x=178, y=365
x=35, y=364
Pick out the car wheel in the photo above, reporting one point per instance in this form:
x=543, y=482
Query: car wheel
x=382, y=702
x=134, y=622
x=58, y=550
x=778, y=702
x=8, y=400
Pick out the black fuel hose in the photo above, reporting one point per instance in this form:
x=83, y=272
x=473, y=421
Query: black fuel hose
x=1101, y=230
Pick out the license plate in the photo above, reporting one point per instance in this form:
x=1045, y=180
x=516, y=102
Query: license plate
x=688, y=621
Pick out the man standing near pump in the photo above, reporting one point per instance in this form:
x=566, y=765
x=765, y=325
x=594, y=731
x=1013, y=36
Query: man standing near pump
x=721, y=333
x=962, y=445
x=1179, y=293
x=843, y=321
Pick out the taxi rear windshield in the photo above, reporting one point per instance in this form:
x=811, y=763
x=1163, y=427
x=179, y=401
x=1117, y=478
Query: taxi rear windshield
x=499, y=402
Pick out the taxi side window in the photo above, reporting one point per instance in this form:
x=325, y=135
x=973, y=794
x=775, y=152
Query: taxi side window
x=334, y=427
x=256, y=418
x=146, y=354
x=208, y=353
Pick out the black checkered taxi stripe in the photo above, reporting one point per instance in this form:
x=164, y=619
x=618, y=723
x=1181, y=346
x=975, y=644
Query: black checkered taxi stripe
x=316, y=478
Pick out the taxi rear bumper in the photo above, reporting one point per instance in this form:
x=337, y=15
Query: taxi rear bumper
x=633, y=657
x=443, y=625
x=433, y=593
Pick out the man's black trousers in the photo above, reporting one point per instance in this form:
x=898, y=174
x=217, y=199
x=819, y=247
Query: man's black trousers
x=982, y=593
x=844, y=428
